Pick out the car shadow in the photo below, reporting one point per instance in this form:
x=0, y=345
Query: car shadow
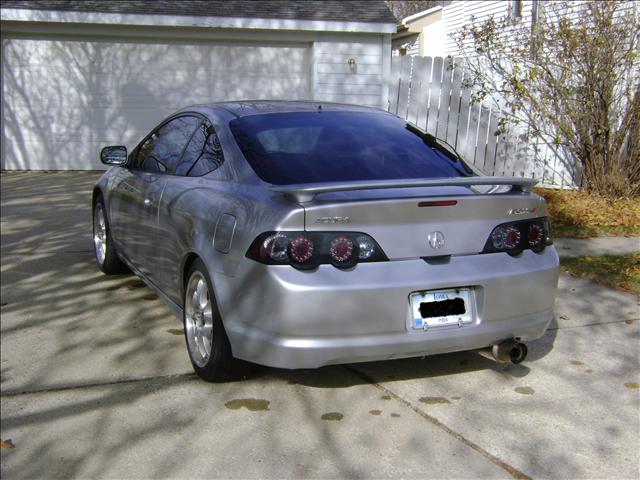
x=428, y=367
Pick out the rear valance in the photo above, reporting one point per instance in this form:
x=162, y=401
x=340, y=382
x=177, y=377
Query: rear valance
x=306, y=192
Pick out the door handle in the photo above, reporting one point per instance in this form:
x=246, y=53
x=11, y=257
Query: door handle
x=148, y=202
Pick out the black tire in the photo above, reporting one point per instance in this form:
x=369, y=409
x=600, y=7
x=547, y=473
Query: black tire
x=108, y=260
x=212, y=358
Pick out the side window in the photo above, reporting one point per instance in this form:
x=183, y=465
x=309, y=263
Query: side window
x=146, y=160
x=162, y=150
x=202, y=155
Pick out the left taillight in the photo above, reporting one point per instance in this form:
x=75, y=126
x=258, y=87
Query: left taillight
x=307, y=250
x=514, y=237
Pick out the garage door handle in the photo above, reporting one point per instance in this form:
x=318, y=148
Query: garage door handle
x=148, y=202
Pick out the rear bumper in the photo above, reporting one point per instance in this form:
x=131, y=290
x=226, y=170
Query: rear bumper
x=283, y=317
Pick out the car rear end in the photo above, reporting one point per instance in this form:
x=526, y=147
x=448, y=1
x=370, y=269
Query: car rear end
x=389, y=267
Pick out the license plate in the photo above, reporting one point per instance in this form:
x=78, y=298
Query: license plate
x=440, y=308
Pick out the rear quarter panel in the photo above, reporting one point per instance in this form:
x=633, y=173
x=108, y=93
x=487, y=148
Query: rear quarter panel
x=192, y=210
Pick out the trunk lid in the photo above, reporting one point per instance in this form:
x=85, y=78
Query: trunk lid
x=395, y=219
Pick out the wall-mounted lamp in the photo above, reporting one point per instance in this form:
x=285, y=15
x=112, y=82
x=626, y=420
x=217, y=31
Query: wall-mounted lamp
x=352, y=65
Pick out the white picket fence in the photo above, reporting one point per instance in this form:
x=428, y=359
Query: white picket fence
x=428, y=92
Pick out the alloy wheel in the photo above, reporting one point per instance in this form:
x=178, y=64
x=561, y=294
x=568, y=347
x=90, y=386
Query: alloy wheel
x=198, y=319
x=100, y=234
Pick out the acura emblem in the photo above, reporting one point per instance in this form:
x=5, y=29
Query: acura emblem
x=436, y=239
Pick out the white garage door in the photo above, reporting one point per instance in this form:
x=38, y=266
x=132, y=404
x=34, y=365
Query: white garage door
x=64, y=99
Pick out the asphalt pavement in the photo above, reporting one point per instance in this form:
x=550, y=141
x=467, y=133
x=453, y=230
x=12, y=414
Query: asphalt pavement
x=96, y=383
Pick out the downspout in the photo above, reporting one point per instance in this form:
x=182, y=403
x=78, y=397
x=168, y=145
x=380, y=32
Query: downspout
x=534, y=27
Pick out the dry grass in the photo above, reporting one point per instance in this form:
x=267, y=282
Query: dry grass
x=617, y=271
x=575, y=213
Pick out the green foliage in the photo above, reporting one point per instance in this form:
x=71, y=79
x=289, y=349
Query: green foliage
x=572, y=80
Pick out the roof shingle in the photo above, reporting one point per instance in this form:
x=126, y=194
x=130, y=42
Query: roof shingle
x=341, y=10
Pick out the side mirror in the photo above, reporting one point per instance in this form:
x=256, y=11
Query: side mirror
x=114, y=155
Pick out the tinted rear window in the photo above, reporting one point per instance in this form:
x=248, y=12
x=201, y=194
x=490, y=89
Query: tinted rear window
x=310, y=147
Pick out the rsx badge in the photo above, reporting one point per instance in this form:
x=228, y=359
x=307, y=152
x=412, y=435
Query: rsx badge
x=332, y=220
x=521, y=211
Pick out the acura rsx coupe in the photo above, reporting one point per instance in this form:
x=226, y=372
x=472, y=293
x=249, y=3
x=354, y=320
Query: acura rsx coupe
x=300, y=234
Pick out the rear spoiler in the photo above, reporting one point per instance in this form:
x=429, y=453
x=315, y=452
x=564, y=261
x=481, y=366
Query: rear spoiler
x=305, y=192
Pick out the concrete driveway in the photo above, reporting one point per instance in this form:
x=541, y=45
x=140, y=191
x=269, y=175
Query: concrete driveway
x=96, y=382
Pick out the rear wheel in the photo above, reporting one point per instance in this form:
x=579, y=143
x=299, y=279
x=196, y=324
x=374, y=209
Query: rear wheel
x=207, y=341
x=103, y=247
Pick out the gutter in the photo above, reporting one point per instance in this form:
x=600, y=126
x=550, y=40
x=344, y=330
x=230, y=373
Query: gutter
x=56, y=16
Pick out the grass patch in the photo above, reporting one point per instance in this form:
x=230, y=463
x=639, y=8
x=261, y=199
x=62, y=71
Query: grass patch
x=617, y=271
x=575, y=213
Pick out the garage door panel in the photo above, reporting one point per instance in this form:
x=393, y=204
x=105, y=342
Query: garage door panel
x=101, y=126
x=64, y=93
x=63, y=100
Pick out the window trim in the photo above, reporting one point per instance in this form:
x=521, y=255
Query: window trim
x=184, y=149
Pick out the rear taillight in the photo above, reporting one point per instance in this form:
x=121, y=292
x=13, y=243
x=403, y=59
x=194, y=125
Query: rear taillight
x=514, y=237
x=366, y=247
x=301, y=249
x=276, y=247
x=341, y=249
x=536, y=235
x=506, y=237
x=309, y=249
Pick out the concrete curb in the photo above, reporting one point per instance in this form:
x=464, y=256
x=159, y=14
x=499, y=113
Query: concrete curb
x=580, y=247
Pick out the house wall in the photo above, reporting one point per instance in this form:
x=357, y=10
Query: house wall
x=69, y=89
x=363, y=82
x=430, y=46
x=410, y=42
x=543, y=163
x=460, y=13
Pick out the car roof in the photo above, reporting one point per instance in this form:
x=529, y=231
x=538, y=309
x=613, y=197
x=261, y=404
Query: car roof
x=256, y=107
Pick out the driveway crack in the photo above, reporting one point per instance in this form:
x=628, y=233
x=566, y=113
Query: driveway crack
x=83, y=386
x=514, y=472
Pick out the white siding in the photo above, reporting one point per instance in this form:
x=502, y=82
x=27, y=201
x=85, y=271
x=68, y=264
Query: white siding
x=460, y=13
x=338, y=81
x=410, y=43
x=413, y=48
x=552, y=10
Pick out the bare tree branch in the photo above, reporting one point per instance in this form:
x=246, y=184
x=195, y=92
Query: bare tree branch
x=573, y=82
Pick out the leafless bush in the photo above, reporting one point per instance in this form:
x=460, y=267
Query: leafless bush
x=573, y=79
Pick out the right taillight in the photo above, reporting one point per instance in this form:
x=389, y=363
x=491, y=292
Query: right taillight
x=309, y=249
x=536, y=235
x=341, y=249
x=514, y=237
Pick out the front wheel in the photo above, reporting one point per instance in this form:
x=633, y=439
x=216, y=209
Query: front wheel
x=103, y=247
x=207, y=341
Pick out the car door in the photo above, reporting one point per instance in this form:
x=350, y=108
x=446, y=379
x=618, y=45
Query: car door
x=155, y=160
x=178, y=207
x=127, y=201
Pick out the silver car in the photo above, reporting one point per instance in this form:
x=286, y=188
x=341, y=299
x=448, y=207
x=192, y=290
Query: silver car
x=300, y=234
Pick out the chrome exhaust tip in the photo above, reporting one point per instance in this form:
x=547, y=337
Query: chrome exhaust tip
x=509, y=351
